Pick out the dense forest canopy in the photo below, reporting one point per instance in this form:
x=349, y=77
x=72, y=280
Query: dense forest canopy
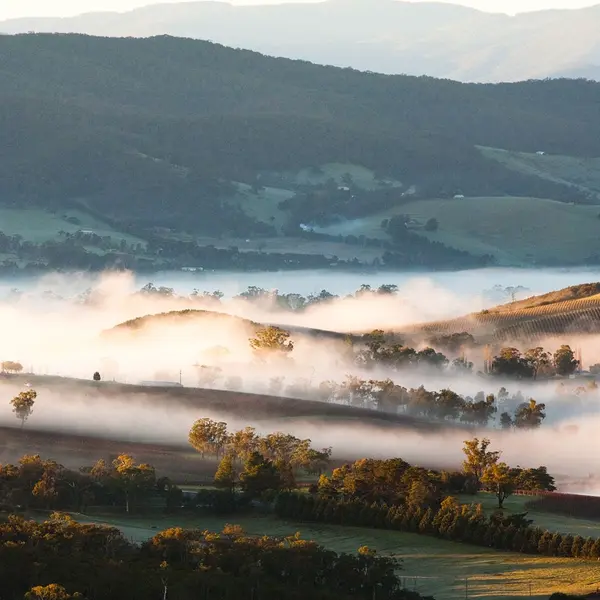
x=164, y=123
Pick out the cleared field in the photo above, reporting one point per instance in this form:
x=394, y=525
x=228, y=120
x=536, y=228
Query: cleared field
x=516, y=230
x=583, y=173
x=264, y=204
x=551, y=522
x=37, y=225
x=444, y=569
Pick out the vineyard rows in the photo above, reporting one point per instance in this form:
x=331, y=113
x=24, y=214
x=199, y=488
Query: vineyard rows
x=551, y=318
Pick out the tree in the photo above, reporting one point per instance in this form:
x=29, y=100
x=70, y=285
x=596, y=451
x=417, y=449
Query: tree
x=10, y=366
x=50, y=592
x=208, y=436
x=478, y=458
x=96, y=376
x=529, y=415
x=432, y=224
x=259, y=475
x=225, y=477
x=564, y=361
x=498, y=478
x=271, y=342
x=23, y=405
x=537, y=359
x=506, y=421
x=511, y=363
x=134, y=480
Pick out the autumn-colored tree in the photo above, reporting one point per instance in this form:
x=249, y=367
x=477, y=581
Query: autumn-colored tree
x=498, y=478
x=23, y=405
x=134, y=480
x=50, y=592
x=243, y=443
x=478, y=457
x=225, y=477
x=271, y=342
x=209, y=437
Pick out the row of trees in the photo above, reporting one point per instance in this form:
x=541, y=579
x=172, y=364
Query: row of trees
x=452, y=521
x=97, y=562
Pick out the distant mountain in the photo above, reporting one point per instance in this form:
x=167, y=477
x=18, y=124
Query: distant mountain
x=190, y=136
x=385, y=36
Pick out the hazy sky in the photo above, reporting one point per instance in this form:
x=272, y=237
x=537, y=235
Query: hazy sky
x=28, y=8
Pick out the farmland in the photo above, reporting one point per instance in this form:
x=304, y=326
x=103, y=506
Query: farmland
x=430, y=565
x=580, y=172
x=512, y=322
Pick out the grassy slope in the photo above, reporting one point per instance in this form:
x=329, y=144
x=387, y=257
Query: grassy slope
x=37, y=225
x=432, y=566
x=584, y=173
x=514, y=229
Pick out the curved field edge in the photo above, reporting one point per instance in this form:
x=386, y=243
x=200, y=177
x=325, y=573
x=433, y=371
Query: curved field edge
x=430, y=565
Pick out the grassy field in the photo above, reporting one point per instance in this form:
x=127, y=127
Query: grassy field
x=37, y=225
x=584, y=173
x=549, y=521
x=430, y=565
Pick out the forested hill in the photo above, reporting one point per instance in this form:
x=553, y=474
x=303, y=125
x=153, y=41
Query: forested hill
x=142, y=129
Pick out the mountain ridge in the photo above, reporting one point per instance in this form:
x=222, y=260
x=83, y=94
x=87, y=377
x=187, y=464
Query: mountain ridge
x=440, y=40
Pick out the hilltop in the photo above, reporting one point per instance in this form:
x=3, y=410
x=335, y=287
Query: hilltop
x=439, y=40
x=574, y=310
x=167, y=152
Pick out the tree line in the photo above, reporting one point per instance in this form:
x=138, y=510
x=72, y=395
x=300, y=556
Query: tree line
x=61, y=559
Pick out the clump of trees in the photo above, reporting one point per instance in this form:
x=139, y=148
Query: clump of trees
x=96, y=562
x=11, y=366
x=510, y=362
x=255, y=463
x=39, y=483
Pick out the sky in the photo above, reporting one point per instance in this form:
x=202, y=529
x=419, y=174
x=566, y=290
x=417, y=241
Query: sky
x=59, y=8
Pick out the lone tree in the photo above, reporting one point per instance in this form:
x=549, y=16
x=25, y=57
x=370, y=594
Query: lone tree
x=499, y=479
x=271, y=342
x=478, y=458
x=97, y=376
x=23, y=405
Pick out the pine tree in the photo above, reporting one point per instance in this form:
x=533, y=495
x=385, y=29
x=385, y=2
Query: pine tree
x=576, y=547
x=566, y=546
x=586, y=549
x=555, y=543
x=425, y=524
x=544, y=543
x=595, y=549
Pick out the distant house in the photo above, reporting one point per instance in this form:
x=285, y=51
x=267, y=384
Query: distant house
x=540, y=153
x=458, y=196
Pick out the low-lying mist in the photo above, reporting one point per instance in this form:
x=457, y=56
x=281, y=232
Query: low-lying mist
x=57, y=333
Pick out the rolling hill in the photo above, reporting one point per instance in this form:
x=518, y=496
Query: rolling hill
x=572, y=311
x=439, y=40
x=161, y=138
